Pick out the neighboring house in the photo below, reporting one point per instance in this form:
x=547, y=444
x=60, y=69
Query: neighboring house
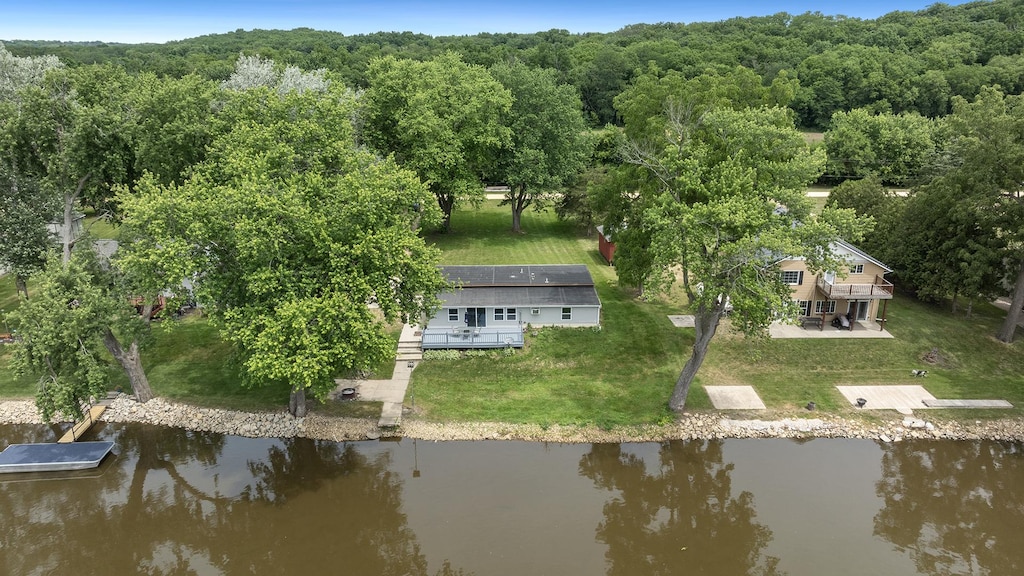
x=605, y=245
x=491, y=305
x=826, y=297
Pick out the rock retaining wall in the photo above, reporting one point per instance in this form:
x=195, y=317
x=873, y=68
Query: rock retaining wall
x=689, y=426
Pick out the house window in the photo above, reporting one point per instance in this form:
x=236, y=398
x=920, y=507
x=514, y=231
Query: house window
x=453, y=314
x=510, y=314
x=805, y=307
x=825, y=306
x=499, y=313
x=857, y=269
x=566, y=313
x=792, y=276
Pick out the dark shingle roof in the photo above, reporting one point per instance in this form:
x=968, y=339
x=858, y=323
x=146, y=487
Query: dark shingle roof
x=502, y=296
x=525, y=275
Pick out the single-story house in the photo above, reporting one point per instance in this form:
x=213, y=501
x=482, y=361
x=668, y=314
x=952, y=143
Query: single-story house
x=828, y=297
x=491, y=306
x=605, y=245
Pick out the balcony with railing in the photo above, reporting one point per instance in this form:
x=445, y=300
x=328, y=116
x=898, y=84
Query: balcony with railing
x=880, y=289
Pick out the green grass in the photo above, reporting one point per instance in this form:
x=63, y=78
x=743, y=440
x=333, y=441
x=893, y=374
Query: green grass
x=789, y=373
x=620, y=374
x=623, y=374
x=99, y=227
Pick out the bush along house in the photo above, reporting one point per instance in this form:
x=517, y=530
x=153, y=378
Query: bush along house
x=491, y=306
x=843, y=302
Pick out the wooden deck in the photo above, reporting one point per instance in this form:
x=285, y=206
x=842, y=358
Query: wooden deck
x=461, y=338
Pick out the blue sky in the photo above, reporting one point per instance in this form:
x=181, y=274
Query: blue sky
x=159, y=21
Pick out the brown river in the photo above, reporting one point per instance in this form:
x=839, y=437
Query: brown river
x=175, y=502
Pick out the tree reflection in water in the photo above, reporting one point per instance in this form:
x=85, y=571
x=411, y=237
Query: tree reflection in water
x=680, y=518
x=954, y=508
x=163, y=508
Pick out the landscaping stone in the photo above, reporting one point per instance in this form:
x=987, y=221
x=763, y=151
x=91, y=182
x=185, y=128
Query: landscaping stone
x=689, y=426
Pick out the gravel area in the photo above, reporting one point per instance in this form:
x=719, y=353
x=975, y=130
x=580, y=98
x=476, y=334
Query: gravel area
x=708, y=425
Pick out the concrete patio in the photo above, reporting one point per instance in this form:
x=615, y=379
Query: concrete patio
x=861, y=329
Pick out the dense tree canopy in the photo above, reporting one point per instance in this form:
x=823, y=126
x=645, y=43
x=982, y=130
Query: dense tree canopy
x=548, y=144
x=902, y=61
x=443, y=119
x=292, y=233
x=724, y=201
x=976, y=198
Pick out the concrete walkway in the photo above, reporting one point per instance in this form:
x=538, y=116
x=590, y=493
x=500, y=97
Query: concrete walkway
x=390, y=392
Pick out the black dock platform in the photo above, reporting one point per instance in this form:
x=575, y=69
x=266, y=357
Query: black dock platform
x=53, y=457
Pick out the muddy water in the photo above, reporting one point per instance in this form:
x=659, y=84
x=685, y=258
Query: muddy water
x=173, y=502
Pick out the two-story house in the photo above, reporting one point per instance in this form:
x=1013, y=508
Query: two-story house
x=852, y=297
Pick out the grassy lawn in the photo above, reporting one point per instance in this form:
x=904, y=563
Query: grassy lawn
x=622, y=373
x=99, y=227
x=186, y=360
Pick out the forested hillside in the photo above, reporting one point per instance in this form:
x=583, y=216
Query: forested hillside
x=902, y=61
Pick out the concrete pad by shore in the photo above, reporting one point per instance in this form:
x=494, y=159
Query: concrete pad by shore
x=734, y=398
x=903, y=399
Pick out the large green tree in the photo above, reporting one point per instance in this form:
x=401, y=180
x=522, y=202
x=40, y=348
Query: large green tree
x=895, y=147
x=26, y=208
x=548, y=147
x=983, y=168
x=72, y=135
x=869, y=198
x=292, y=234
x=945, y=247
x=723, y=201
x=61, y=329
x=173, y=124
x=25, y=213
x=71, y=138
x=441, y=118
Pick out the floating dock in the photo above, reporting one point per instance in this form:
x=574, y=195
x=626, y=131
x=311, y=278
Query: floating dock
x=53, y=457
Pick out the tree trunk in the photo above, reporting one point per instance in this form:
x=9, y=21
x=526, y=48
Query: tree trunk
x=1013, y=316
x=21, y=285
x=705, y=326
x=518, y=200
x=447, y=204
x=67, y=240
x=131, y=362
x=297, y=403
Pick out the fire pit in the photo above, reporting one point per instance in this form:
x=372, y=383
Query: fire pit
x=348, y=393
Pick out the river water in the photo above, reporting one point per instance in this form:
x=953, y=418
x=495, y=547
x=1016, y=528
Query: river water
x=175, y=502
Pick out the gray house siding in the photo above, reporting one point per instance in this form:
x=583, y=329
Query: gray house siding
x=493, y=304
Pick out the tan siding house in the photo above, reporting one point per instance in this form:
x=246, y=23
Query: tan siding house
x=858, y=294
